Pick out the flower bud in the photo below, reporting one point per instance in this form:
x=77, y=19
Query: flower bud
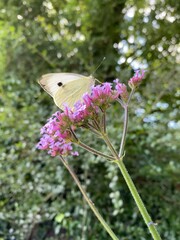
x=121, y=89
x=136, y=80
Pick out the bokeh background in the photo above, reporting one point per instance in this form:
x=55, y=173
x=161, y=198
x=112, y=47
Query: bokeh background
x=38, y=199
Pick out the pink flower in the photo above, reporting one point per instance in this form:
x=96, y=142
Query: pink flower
x=121, y=90
x=87, y=100
x=56, y=136
x=136, y=79
x=81, y=113
x=103, y=95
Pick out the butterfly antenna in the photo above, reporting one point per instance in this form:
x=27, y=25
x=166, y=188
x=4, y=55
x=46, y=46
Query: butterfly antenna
x=97, y=69
x=98, y=66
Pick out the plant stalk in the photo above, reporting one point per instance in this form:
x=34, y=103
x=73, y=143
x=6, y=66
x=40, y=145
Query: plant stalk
x=94, y=151
x=108, y=143
x=139, y=201
x=123, y=140
x=129, y=182
x=90, y=203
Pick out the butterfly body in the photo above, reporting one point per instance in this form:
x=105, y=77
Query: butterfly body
x=66, y=88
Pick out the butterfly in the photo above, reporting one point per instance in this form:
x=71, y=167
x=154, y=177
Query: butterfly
x=66, y=88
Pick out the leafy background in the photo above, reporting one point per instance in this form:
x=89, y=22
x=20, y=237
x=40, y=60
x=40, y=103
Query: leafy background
x=38, y=198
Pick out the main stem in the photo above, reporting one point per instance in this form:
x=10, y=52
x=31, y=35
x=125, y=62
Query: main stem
x=132, y=188
x=91, y=204
x=138, y=201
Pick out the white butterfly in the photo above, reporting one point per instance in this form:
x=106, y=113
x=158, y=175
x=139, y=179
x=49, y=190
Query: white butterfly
x=66, y=87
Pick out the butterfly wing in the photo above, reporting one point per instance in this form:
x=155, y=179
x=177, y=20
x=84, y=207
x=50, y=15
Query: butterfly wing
x=73, y=91
x=53, y=81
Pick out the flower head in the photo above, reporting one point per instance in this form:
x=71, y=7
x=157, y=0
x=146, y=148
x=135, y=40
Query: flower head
x=136, y=80
x=121, y=89
x=56, y=138
x=103, y=95
x=81, y=112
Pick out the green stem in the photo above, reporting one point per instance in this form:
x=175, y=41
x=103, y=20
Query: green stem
x=96, y=124
x=138, y=201
x=123, y=140
x=94, y=151
x=93, y=129
x=133, y=190
x=103, y=121
x=91, y=204
x=121, y=150
x=130, y=95
x=108, y=142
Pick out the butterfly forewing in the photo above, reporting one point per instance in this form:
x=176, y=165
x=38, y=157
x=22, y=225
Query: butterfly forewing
x=53, y=81
x=73, y=91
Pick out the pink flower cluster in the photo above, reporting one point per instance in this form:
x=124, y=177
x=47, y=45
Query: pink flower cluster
x=58, y=133
x=122, y=90
x=136, y=79
x=55, y=136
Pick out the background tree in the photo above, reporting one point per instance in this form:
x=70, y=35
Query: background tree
x=38, y=199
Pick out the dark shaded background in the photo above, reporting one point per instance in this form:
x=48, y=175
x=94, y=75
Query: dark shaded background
x=38, y=199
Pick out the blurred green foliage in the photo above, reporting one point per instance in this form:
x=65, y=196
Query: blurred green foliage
x=38, y=198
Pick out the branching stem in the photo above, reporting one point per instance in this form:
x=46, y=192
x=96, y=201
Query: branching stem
x=129, y=182
x=123, y=140
x=88, y=200
x=94, y=151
